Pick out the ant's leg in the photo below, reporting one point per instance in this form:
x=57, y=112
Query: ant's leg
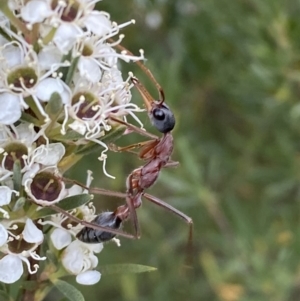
x=170, y=208
x=128, y=148
x=100, y=191
x=131, y=200
x=91, y=225
x=134, y=201
x=134, y=128
x=146, y=152
x=130, y=204
x=146, y=145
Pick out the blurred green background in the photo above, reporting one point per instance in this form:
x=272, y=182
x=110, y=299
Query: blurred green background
x=231, y=72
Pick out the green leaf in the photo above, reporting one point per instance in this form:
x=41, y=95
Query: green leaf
x=68, y=203
x=19, y=203
x=114, y=134
x=51, y=257
x=4, y=296
x=72, y=70
x=69, y=136
x=17, y=175
x=30, y=119
x=125, y=269
x=68, y=290
x=64, y=70
x=54, y=106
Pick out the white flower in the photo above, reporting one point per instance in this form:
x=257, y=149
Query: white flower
x=21, y=74
x=11, y=265
x=79, y=258
x=43, y=187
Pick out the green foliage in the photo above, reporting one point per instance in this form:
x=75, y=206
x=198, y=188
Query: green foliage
x=231, y=72
x=68, y=203
x=125, y=269
x=69, y=291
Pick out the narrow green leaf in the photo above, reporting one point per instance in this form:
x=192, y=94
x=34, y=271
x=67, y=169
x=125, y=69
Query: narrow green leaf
x=89, y=149
x=30, y=119
x=114, y=134
x=68, y=203
x=68, y=290
x=64, y=70
x=17, y=175
x=51, y=257
x=69, y=136
x=125, y=269
x=35, y=109
x=19, y=204
x=4, y=296
x=54, y=106
x=72, y=70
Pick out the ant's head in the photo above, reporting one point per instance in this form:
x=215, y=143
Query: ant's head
x=162, y=117
x=159, y=113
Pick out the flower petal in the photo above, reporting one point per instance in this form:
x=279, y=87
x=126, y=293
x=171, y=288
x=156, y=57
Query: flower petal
x=48, y=56
x=88, y=277
x=60, y=238
x=3, y=235
x=50, y=155
x=11, y=269
x=12, y=56
x=5, y=195
x=31, y=233
x=98, y=23
x=48, y=86
x=35, y=11
x=10, y=108
x=65, y=37
x=89, y=69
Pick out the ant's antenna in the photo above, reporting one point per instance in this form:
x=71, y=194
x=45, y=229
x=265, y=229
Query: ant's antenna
x=146, y=70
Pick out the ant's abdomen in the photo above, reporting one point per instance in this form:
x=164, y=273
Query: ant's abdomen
x=105, y=219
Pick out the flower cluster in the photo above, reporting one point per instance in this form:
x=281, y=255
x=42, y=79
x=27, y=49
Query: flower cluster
x=59, y=86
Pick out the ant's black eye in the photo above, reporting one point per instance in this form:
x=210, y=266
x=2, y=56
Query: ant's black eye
x=162, y=118
x=158, y=114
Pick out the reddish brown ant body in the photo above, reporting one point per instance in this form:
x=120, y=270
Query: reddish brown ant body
x=156, y=153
